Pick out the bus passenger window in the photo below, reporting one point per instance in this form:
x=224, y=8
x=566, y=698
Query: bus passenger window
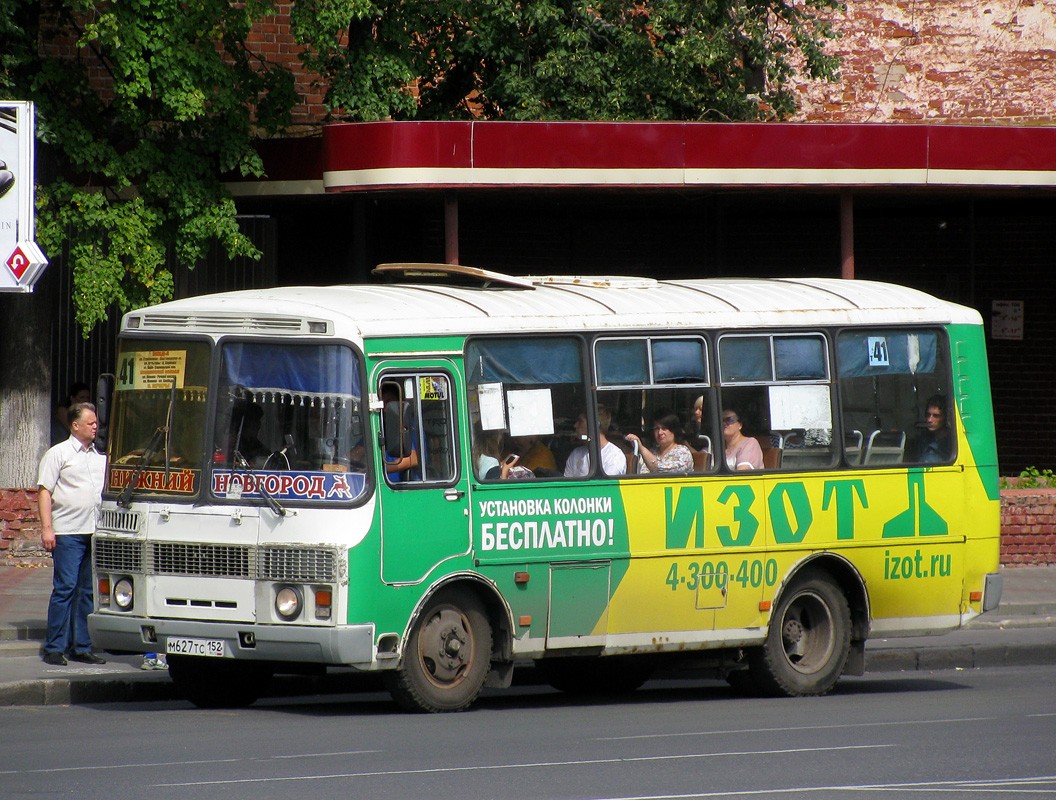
x=778, y=388
x=894, y=390
x=524, y=397
x=642, y=378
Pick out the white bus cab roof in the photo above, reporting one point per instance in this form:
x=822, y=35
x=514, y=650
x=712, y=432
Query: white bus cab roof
x=539, y=304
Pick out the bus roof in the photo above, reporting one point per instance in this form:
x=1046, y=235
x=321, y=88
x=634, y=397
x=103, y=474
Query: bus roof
x=542, y=304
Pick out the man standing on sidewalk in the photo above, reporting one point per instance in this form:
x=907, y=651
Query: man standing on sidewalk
x=70, y=484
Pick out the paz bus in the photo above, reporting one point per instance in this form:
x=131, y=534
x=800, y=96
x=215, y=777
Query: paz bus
x=304, y=478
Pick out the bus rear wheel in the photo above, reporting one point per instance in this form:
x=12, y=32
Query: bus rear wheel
x=808, y=642
x=218, y=683
x=447, y=658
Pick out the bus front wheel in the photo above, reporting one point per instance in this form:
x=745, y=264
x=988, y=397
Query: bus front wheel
x=447, y=657
x=808, y=642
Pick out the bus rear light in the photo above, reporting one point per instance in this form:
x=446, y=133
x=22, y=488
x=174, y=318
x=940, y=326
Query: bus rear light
x=104, y=591
x=324, y=599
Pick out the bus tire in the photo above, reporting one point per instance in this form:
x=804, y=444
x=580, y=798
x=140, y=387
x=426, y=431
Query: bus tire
x=807, y=645
x=447, y=658
x=218, y=683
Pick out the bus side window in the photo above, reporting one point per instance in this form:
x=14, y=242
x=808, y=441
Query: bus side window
x=417, y=425
x=524, y=397
x=893, y=382
x=642, y=378
x=779, y=388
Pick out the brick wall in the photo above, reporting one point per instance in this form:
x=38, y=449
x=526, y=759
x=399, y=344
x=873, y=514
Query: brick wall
x=271, y=39
x=20, y=528
x=1028, y=526
x=957, y=61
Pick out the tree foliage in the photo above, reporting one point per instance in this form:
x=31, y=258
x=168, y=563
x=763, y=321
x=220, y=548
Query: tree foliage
x=141, y=106
x=565, y=59
x=144, y=104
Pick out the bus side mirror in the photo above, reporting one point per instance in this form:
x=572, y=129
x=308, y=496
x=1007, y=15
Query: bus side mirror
x=104, y=394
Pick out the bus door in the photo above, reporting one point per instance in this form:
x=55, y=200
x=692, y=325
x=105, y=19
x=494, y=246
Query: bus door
x=424, y=502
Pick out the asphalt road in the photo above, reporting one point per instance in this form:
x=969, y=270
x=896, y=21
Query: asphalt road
x=980, y=733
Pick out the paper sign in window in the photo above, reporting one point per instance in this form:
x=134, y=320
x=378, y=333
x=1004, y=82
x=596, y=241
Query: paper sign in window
x=492, y=413
x=531, y=412
x=794, y=407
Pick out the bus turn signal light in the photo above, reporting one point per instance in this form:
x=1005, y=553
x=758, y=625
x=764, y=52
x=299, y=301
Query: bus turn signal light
x=324, y=599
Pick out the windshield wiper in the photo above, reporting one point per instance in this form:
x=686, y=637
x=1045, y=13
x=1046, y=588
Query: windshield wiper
x=162, y=431
x=273, y=504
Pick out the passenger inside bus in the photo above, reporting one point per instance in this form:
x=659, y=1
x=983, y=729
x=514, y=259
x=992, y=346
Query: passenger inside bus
x=244, y=435
x=401, y=435
x=935, y=443
x=742, y=452
x=533, y=453
x=672, y=454
x=613, y=460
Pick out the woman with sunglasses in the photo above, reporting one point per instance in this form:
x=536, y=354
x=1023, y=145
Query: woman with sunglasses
x=742, y=452
x=672, y=454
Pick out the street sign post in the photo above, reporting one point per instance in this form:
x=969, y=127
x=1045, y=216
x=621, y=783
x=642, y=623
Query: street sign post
x=23, y=261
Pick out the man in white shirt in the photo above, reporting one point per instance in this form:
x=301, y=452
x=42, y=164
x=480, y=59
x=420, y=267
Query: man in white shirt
x=613, y=460
x=70, y=487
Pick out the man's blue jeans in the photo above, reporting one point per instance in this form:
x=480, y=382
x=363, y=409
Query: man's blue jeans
x=71, y=595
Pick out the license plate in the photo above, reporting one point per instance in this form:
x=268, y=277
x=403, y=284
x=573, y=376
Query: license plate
x=195, y=647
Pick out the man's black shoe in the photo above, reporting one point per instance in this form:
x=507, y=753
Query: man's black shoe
x=87, y=658
x=55, y=659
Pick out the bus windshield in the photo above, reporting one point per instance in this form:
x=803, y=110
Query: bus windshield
x=289, y=423
x=159, y=415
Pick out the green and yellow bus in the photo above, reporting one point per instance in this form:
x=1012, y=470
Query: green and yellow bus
x=453, y=472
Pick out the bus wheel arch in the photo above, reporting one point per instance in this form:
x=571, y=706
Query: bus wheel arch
x=818, y=619
x=448, y=650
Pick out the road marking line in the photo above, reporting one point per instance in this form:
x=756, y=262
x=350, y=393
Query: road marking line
x=529, y=765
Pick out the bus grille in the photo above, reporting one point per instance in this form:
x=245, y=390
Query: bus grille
x=119, y=520
x=295, y=564
x=118, y=555
x=206, y=560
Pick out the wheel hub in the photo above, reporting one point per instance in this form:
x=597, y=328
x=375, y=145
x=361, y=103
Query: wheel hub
x=444, y=646
x=792, y=632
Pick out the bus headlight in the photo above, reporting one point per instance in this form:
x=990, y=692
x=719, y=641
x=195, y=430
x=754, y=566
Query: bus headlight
x=123, y=594
x=288, y=602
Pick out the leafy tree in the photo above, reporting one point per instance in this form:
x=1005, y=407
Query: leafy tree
x=141, y=107
x=565, y=59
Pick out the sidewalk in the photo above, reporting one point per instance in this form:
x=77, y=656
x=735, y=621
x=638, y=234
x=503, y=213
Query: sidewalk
x=1021, y=632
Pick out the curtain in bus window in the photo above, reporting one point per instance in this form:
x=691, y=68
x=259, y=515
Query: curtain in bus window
x=745, y=358
x=799, y=358
x=533, y=361
x=678, y=361
x=622, y=362
x=865, y=353
x=315, y=369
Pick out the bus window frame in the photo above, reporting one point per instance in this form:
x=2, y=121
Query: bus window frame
x=397, y=373
x=585, y=386
x=357, y=353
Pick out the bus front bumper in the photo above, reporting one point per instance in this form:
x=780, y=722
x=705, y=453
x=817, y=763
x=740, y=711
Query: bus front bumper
x=348, y=645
